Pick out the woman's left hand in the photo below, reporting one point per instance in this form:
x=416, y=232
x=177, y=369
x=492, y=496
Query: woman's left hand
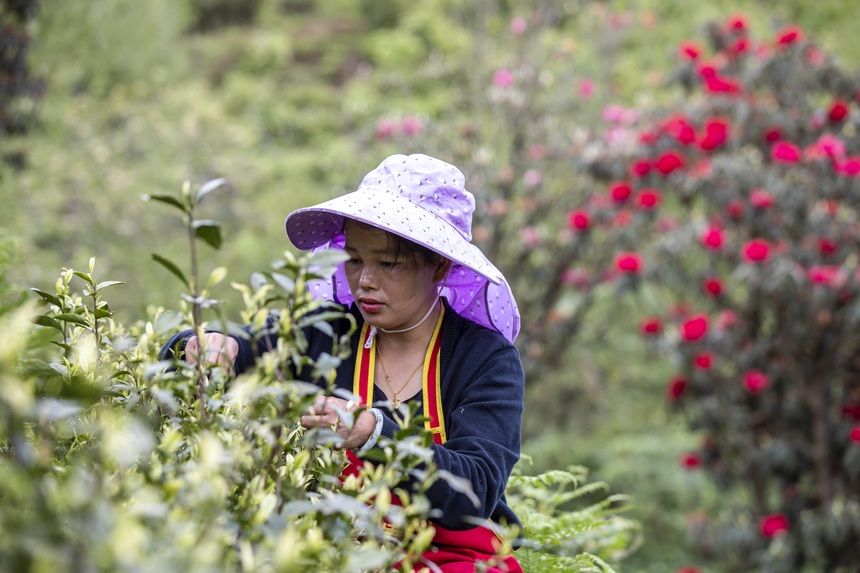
x=340, y=415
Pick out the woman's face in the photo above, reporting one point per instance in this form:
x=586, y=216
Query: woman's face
x=391, y=293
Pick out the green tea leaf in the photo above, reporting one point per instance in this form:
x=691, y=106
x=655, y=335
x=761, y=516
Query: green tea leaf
x=172, y=267
x=209, y=231
x=48, y=297
x=166, y=199
x=72, y=317
x=207, y=188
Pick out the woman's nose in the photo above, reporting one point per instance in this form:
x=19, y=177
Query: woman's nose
x=365, y=278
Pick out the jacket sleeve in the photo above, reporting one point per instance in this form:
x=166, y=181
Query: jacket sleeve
x=483, y=424
x=250, y=346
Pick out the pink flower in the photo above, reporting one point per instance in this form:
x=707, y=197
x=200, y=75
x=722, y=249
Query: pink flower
x=385, y=128
x=630, y=263
x=854, y=434
x=755, y=381
x=579, y=278
x=586, y=88
x=773, y=525
x=532, y=178
x=726, y=319
x=713, y=238
x=530, y=236
x=648, y=199
x=761, y=199
x=503, y=78
x=518, y=26
x=756, y=251
x=669, y=162
x=579, y=220
x=694, y=328
x=828, y=145
x=411, y=125
x=784, y=152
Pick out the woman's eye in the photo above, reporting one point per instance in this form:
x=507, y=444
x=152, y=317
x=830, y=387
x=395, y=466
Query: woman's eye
x=353, y=261
x=388, y=264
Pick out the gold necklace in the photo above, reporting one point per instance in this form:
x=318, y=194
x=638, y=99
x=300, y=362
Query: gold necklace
x=396, y=401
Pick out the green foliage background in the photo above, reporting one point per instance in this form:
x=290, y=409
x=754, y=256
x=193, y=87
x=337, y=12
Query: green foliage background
x=143, y=95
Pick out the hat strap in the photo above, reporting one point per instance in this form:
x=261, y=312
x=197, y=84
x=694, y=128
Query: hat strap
x=373, y=329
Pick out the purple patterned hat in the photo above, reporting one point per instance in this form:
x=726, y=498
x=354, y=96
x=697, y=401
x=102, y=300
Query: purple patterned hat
x=424, y=200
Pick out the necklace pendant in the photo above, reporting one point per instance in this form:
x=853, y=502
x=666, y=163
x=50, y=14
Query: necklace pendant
x=395, y=403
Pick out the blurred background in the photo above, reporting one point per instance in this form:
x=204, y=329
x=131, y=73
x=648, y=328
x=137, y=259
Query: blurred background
x=293, y=101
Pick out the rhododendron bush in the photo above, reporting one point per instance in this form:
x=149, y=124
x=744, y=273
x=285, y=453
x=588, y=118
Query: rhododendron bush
x=753, y=185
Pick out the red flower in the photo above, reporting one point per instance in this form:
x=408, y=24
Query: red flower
x=773, y=134
x=761, y=199
x=579, y=220
x=784, y=152
x=838, y=111
x=851, y=411
x=640, y=168
x=716, y=133
x=713, y=238
x=651, y=325
x=789, y=35
x=687, y=570
x=736, y=22
x=694, y=328
x=755, y=381
x=676, y=388
x=735, y=209
x=690, y=461
x=648, y=198
x=850, y=166
x=713, y=286
x=689, y=50
x=772, y=525
x=628, y=262
x=722, y=84
x=826, y=246
x=620, y=191
x=669, y=162
x=622, y=218
x=740, y=46
x=854, y=434
x=756, y=251
x=703, y=360
x=830, y=276
x=680, y=128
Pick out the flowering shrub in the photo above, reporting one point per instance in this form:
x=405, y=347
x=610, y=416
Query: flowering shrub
x=760, y=178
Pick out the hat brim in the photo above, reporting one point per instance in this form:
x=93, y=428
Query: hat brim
x=312, y=227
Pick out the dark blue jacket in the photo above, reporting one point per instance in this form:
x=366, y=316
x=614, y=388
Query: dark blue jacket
x=482, y=387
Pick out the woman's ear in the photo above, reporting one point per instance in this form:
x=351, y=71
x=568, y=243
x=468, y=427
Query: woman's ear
x=442, y=269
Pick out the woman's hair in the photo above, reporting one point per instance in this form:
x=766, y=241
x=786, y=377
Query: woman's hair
x=404, y=248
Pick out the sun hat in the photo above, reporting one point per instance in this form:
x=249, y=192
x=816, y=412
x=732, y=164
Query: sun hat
x=423, y=200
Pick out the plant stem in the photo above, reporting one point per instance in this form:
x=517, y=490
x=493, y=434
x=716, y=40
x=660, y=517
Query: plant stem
x=202, y=378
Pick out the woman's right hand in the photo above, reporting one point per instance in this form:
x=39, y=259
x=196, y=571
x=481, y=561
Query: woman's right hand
x=217, y=350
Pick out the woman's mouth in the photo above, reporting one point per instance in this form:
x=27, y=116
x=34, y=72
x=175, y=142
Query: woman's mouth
x=370, y=305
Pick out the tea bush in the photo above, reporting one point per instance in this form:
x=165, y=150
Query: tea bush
x=111, y=460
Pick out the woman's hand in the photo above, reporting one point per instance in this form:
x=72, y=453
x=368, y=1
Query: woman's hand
x=217, y=350
x=335, y=413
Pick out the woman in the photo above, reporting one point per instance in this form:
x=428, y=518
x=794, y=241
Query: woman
x=437, y=322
